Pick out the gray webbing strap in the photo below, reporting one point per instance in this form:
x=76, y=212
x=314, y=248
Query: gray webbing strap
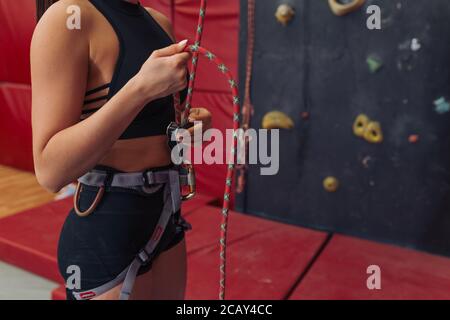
x=172, y=202
x=97, y=178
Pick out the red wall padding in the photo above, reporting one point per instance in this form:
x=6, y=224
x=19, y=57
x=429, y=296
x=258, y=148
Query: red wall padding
x=15, y=128
x=17, y=21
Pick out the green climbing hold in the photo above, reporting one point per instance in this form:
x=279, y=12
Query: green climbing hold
x=374, y=63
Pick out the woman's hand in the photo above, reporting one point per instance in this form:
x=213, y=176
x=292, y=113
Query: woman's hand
x=164, y=72
x=202, y=115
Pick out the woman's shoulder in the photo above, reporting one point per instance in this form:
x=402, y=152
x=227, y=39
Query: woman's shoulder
x=163, y=21
x=64, y=25
x=66, y=15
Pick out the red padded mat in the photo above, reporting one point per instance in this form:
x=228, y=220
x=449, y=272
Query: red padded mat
x=340, y=273
x=265, y=258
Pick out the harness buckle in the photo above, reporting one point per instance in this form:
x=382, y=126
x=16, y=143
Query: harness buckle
x=144, y=257
x=145, y=179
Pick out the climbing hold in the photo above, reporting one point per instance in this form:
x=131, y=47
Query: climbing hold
x=343, y=7
x=414, y=138
x=305, y=115
x=330, y=184
x=373, y=132
x=277, y=120
x=366, y=161
x=284, y=14
x=415, y=44
x=442, y=105
x=360, y=125
x=374, y=63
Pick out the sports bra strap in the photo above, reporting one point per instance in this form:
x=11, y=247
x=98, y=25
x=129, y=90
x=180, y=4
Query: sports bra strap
x=98, y=89
x=105, y=97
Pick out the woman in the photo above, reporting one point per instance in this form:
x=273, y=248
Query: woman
x=102, y=99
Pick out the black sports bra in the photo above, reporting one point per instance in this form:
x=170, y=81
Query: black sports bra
x=139, y=35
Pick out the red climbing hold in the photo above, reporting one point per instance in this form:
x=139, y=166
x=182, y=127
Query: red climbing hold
x=414, y=138
x=305, y=115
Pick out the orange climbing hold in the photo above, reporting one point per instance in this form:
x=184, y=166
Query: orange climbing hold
x=414, y=138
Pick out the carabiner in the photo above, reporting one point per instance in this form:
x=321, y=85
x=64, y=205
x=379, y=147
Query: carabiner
x=190, y=182
x=94, y=204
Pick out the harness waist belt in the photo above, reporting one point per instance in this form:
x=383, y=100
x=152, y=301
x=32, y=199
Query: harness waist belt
x=128, y=180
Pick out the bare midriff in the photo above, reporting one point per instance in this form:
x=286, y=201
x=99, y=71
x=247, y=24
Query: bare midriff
x=138, y=154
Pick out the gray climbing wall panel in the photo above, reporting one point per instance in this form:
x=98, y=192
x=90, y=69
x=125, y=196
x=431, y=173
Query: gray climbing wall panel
x=396, y=191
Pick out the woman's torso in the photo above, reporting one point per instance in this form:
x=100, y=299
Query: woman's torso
x=127, y=154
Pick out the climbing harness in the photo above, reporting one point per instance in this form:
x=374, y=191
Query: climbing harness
x=149, y=181
x=172, y=179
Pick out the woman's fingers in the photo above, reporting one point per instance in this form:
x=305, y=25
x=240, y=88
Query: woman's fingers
x=201, y=115
x=170, y=50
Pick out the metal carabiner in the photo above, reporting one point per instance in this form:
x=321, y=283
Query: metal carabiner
x=190, y=181
x=94, y=204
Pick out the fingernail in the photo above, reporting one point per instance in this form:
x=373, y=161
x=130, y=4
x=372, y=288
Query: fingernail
x=182, y=43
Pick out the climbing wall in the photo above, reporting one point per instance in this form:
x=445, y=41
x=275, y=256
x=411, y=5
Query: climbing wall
x=389, y=174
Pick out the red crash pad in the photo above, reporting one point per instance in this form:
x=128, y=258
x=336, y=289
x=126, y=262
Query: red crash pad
x=29, y=239
x=59, y=293
x=340, y=273
x=265, y=259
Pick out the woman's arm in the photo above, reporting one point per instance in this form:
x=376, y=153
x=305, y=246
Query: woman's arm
x=64, y=148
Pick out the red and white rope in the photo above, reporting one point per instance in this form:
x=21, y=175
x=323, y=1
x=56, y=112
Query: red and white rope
x=182, y=116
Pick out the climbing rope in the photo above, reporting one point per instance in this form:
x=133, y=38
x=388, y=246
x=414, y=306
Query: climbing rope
x=247, y=108
x=182, y=116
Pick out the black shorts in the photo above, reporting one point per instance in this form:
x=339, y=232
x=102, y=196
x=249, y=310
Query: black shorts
x=104, y=243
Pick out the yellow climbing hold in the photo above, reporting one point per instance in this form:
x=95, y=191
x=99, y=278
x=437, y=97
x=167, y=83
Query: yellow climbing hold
x=277, y=120
x=341, y=9
x=284, y=14
x=373, y=133
x=331, y=184
x=360, y=125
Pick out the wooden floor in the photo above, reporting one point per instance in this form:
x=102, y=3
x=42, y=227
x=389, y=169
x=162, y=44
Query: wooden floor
x=19, y=190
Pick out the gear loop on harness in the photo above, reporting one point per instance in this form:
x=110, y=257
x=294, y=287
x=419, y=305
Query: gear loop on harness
x=92, y=207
